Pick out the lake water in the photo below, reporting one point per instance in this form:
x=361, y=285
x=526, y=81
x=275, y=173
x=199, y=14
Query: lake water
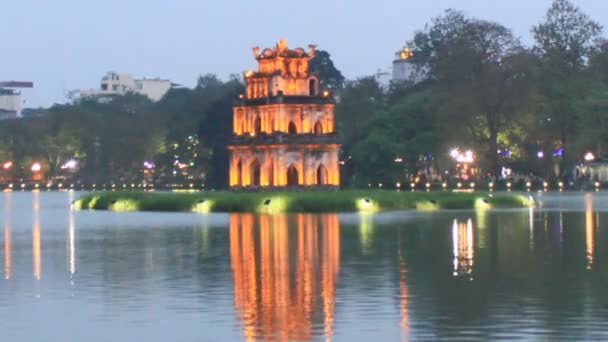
x=527, y=274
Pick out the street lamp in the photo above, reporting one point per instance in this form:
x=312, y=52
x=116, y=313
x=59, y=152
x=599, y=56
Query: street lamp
x=589, y=156
x=36, y=167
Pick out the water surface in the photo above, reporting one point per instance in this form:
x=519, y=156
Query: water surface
x=460, y=275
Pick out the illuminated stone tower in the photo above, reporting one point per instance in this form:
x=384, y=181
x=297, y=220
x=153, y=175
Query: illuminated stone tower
x=283, y=129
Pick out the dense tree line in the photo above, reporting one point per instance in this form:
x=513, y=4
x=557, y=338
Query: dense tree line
x=534, y=110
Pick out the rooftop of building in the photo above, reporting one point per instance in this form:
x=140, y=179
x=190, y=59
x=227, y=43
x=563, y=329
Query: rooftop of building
x=281, y=50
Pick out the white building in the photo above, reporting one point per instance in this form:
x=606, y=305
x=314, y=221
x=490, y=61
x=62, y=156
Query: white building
x=11, y=101
x=114, y=84
x=404, y=69
x=383, y=78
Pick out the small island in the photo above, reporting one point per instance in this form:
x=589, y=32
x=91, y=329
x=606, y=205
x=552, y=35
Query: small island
x=308, y=201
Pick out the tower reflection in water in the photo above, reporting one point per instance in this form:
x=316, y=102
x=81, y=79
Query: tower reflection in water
x=285, y=271
x=462, y=247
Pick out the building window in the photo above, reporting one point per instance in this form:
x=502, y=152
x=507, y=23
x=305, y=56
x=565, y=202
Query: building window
x=115, y=87
x=318, y=129
x=255, y=173
x=292, y=129
x=104, y=87
x=257, y=125
x=292, y=175
x=321, y=175
x=312, y=87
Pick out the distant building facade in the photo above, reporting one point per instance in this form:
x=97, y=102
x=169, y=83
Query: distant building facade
x=115, y=84
x=10, y=99
x=404, y=69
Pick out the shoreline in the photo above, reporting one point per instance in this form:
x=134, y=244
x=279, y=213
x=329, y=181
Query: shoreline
x=299, y=201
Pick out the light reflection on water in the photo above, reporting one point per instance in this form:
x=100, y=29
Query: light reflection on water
x=98, y=276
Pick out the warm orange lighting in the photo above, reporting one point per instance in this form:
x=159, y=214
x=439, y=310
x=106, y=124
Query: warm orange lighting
x=589, y=230
x=406, y=53
x=36, y=237
x=283, y=283
x=7, y=165
x=462, y=247
x=8, y=262
x=283, y=72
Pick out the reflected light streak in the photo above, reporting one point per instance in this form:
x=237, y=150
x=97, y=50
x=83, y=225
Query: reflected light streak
x=589, y=230
x=36, y=236
x=8, y=260
x=462, y=247
x=531, y=226
x=72, y=244
x=403, y=296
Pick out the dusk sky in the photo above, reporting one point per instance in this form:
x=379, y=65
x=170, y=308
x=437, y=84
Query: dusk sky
x=62, y=45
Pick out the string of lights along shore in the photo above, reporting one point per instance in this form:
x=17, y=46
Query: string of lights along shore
x=283, y=125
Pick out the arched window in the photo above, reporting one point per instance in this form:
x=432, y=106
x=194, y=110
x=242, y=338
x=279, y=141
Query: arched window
x=255, y=173
x=312, y=87
x=257, y=125
x=292, y=175
x=271, y=172
x=292, y=129
x=321, y=175
x=318, y=128
x=239, y=173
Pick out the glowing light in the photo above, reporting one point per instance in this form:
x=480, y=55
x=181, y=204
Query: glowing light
x=466, y=157
x=398, y=160
x=491, y=185
x=444, y=185
x=36, y=167
x=540, y=154
x=70, y=164
x=398, y=185
x=7, y=165
x=454, y=153
x=148, y=165
x=528, y=184
x=589, y=156
x=249, y=73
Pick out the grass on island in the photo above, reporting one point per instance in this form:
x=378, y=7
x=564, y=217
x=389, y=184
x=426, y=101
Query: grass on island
x=298, y=201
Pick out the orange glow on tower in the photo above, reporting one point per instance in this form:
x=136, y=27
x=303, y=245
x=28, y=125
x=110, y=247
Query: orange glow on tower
x=283, y=125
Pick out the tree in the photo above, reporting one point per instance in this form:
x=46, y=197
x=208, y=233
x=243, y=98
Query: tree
x=399, y=138
x=476, y=67
x=566, y=36
x=329, y=76
x=564, y=41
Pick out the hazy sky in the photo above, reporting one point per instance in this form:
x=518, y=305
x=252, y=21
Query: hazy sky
x=69, y=44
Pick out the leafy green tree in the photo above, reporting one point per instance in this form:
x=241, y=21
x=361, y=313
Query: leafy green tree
x=564, y=41
x=330, y=77
x=478, y=74
x=399, y=138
